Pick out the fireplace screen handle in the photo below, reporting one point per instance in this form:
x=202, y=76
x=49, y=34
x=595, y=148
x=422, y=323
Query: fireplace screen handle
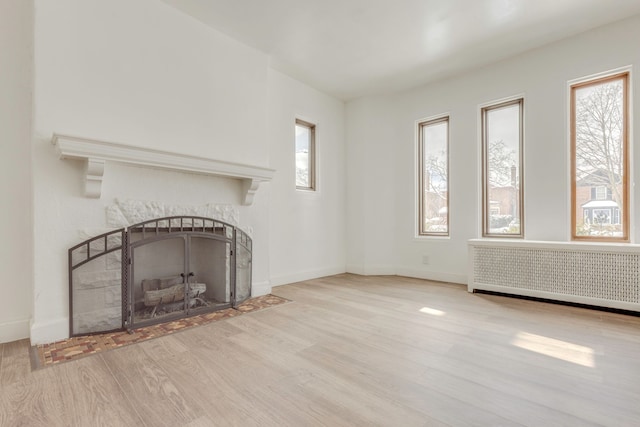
x=191, y=274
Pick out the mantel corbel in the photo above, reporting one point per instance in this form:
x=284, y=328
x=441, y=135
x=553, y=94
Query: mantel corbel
x=249, y=189
x=93, y=179
x=97, y=153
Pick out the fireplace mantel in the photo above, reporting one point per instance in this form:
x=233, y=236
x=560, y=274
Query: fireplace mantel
x=96, y=153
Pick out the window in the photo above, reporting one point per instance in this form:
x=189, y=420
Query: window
x=602, y=216
x=433, y=167
x=502, y=195
x=305, y=155
x=599, y=159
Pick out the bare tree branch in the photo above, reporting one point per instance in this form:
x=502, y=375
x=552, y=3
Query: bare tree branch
x=500, y=162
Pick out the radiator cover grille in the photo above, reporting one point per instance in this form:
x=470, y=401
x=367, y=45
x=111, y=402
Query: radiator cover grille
x=601, y=275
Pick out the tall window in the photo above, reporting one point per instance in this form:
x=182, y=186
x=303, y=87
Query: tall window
x=433, y=215
x=599, y=159
x=305, y=155
x=502, y=195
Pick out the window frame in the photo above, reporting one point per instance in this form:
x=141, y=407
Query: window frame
x=312, y=155
x=486, y=203
x=624, y=213
x=421, y=125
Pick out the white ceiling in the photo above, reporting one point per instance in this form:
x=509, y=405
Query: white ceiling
x=352, y=48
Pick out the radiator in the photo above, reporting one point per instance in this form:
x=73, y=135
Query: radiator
x=606, y=275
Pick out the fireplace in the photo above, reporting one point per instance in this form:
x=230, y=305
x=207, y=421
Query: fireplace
x=157, y=271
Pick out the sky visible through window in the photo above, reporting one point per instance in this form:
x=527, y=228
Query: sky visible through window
x=435, y=148
x=504, y=125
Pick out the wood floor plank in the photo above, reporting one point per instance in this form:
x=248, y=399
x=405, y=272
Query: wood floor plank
x=78, y=393
x=402, y=391
x=34, y=403
x=153, y=394
x=221, y=400
x=201, y=422
x=302, y=378
x=93, y=393
x=166, y=347
x=15, y=363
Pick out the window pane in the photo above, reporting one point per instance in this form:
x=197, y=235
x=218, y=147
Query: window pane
x=434, y=177
x=599, y=163
x=305, y=155
x=502, y=142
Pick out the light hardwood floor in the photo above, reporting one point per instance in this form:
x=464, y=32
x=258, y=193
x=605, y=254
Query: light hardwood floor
x=348, y=351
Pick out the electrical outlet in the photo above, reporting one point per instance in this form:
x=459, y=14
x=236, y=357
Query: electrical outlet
x=425, y=259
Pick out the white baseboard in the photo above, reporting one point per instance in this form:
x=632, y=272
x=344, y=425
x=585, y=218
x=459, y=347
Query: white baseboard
x=377, y=270
x=438, y=276
x=381, y=270
x=260, y=288
x=50, y=331
x=306, y=275
x=356, y=269
x=14, y=330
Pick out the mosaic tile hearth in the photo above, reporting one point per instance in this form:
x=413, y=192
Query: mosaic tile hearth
x=77, y=347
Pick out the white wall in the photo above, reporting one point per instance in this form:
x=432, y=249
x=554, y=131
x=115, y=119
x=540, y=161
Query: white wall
x=541, y=76
x=16, y=82
x=145, y=74
x=307, y=228
x=371, y=186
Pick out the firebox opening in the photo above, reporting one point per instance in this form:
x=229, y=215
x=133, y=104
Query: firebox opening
x=180, y=274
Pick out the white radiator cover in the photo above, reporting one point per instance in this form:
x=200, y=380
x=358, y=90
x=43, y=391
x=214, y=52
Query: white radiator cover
x=606, y=275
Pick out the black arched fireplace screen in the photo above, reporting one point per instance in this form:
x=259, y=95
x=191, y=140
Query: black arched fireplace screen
x=157, y=271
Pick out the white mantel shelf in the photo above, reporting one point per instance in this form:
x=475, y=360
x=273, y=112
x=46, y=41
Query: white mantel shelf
x=96, y=153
